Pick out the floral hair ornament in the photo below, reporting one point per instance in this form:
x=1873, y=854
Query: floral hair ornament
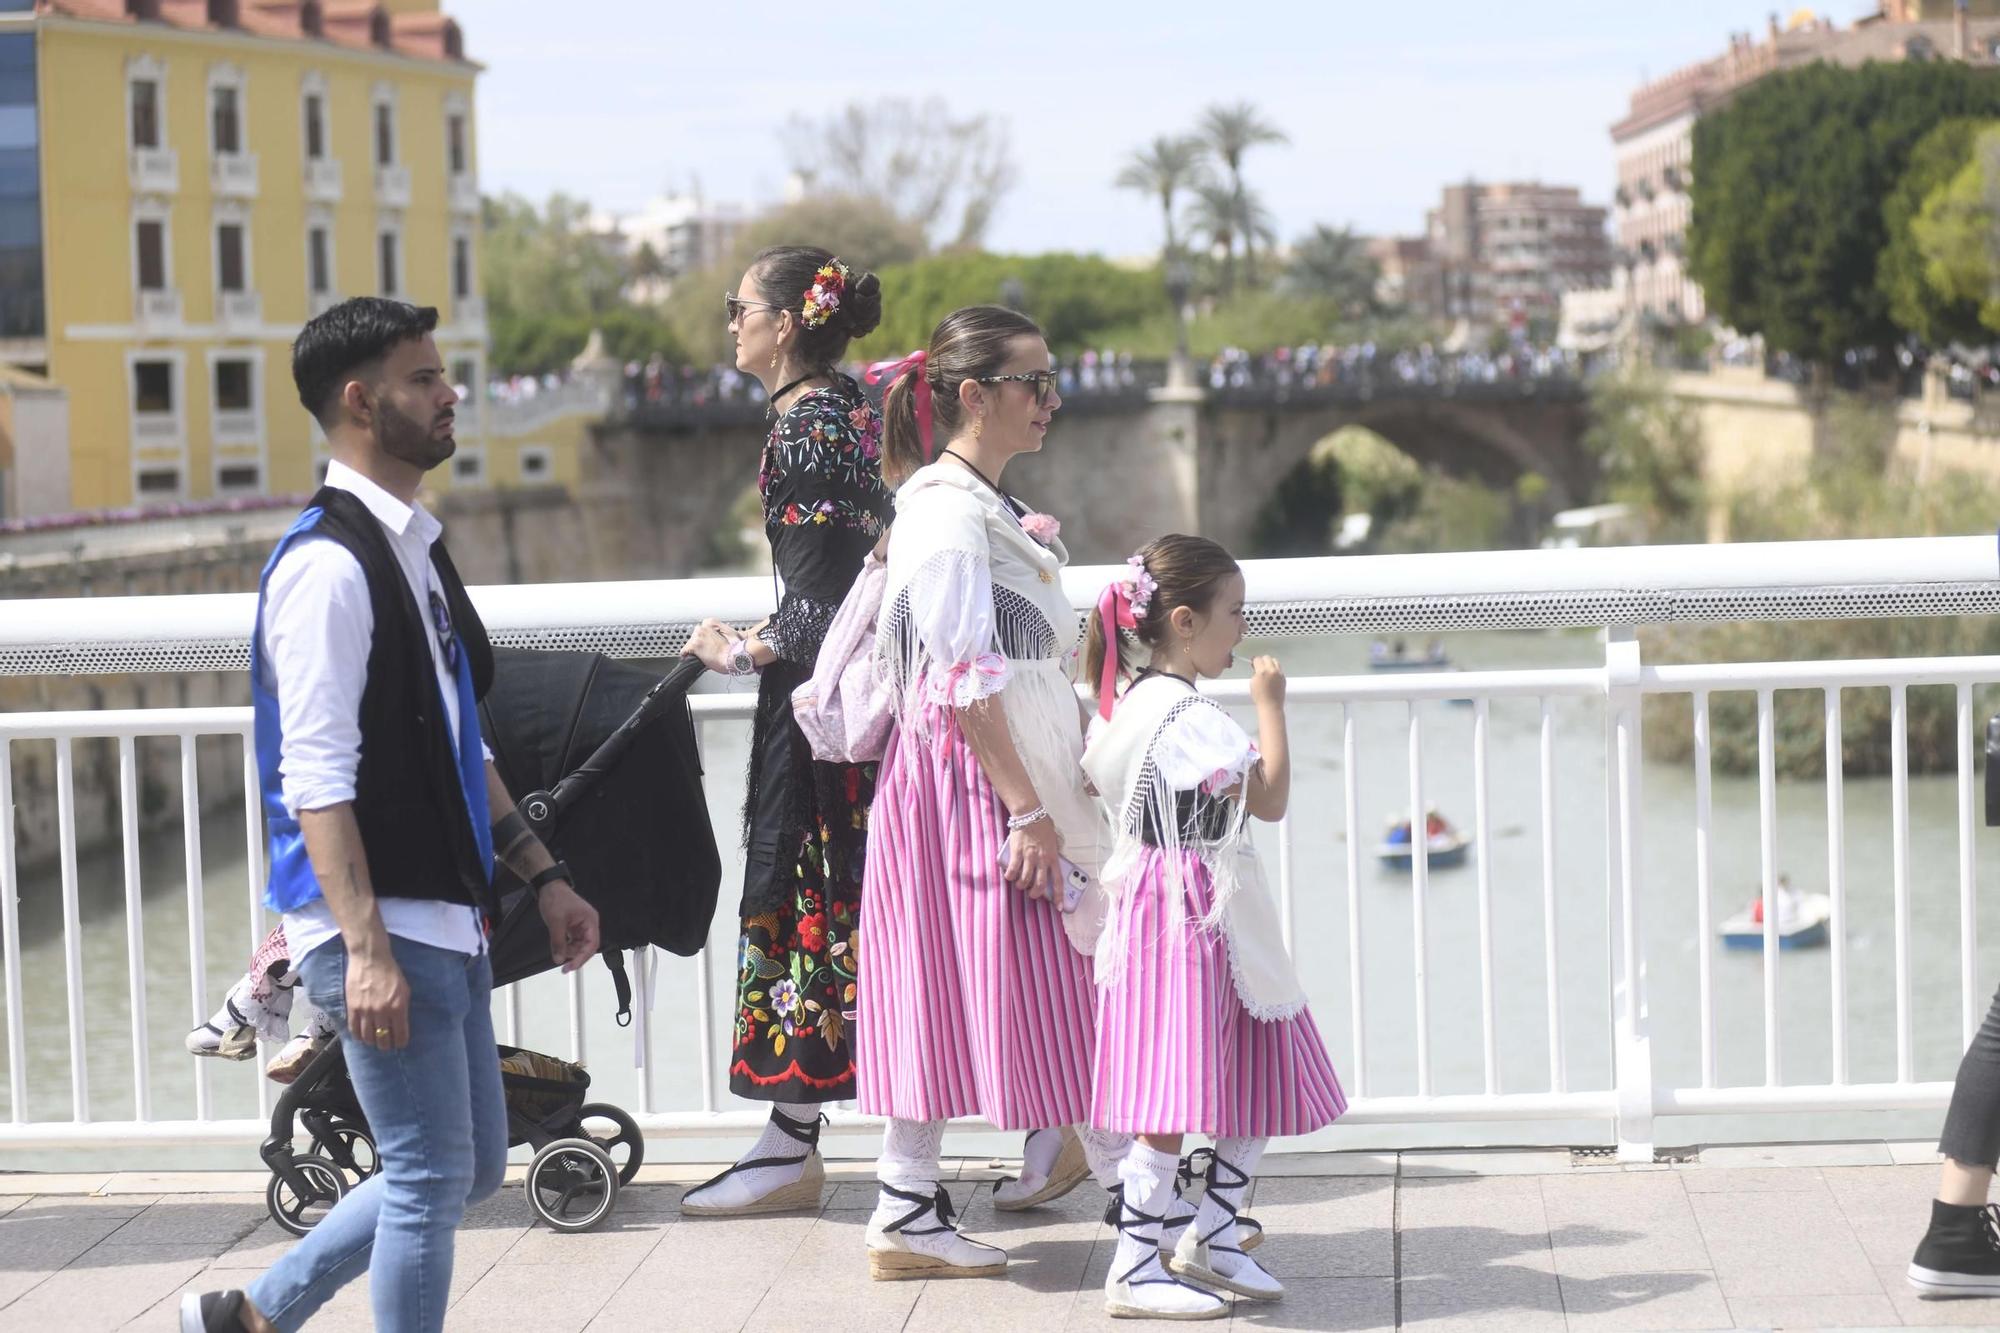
x=822, y=299
x=1122, y=605
x=885, y=372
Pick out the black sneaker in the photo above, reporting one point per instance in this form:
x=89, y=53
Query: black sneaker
x=212, y=1312
x=1960, y=1254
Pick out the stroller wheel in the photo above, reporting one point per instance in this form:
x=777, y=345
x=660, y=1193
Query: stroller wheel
x=351, y=1148
x=572, y=1185
x=299, y=1212
x=616, y=1133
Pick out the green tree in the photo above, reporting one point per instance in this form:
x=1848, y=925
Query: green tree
x=1790, y=183
x=1215, y=219
x=1914, y=303
x=1232, y=130
x=1333, y=264
x=1165, y=169
x=1954, y=233
x=1648, y=448
x=1076, y=299
x=549, y=280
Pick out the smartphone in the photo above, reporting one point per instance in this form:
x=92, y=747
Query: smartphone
x=1074, y=880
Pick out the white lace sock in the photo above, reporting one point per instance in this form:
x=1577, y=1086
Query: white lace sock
x=909, y=1161
x=737, y=1188
x=1228, y=1184
x=1106, y=1152
x=1139, y=1282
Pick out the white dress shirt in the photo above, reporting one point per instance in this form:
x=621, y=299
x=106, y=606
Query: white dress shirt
x=318, y=625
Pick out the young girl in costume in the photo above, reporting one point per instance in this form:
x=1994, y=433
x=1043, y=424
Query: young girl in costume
x=1202, y=1026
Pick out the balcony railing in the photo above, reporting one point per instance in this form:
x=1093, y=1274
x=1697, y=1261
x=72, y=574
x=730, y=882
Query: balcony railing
x=318, y=303
x=239, y=312
x=1534, y=991
x=236, y=425
x=464, y=194
x=323, y=180
x=392, y=186
x=155, y=171
x=157, y=309
x=233, y=175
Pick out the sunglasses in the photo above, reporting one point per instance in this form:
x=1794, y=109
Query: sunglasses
x=1043, y=380
x=736, y=307
x=447, y=641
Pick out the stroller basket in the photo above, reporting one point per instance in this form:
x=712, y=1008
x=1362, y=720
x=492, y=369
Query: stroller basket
x=542, y=1093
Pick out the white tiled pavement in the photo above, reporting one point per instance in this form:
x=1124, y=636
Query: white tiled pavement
x=1795, y=1236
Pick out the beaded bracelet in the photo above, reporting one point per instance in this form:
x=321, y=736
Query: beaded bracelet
x=1015, y=823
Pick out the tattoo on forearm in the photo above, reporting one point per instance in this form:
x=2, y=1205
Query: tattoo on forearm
x=512, y=838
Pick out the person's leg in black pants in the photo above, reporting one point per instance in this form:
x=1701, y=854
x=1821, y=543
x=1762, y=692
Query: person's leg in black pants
x=1960, y=1254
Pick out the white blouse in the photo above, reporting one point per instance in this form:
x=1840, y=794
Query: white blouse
x=969, y=593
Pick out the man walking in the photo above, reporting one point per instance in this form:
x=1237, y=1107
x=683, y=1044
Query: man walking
x=384, y=812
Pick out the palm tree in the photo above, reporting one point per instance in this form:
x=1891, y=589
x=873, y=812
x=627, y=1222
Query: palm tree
x=1230, y=131
x=1164, y=169
x=1332, y=262
x=1215, y=218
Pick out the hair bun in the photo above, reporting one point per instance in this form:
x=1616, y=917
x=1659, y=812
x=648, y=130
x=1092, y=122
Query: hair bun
x=861, y=306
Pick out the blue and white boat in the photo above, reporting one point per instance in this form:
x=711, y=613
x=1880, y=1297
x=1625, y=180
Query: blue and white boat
x=1446, y=846
x=1802, y=921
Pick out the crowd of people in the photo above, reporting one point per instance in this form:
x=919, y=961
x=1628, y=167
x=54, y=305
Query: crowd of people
x=966, y=892
x=1313, y=365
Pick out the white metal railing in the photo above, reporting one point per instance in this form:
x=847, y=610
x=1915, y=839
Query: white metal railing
x=1619, y=1081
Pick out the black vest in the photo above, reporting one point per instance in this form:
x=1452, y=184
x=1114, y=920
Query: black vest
x=407, y=798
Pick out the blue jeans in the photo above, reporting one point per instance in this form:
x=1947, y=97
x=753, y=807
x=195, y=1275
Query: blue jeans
x=440, y=1129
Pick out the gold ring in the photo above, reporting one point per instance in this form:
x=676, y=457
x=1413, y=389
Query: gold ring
x=381, y=1033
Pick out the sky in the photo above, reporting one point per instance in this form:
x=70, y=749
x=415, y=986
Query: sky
x=619, y=101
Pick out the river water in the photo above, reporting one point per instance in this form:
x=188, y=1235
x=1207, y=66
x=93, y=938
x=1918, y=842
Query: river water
x=1668, y=918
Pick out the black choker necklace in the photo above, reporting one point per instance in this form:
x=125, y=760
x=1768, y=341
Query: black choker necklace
x=1013, y=505
x=1160, y=671
x=814, y=375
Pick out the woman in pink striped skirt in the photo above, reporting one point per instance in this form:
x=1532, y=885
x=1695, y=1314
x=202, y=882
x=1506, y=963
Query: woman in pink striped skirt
x=979, y=901
x=1201, y=1022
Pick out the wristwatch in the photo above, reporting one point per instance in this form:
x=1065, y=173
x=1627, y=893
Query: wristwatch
x=549, y=875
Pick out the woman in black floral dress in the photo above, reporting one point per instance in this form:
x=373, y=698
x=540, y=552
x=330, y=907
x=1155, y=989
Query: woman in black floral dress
x=805, y=823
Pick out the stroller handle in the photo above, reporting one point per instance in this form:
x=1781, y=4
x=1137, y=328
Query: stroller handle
x=541, y=808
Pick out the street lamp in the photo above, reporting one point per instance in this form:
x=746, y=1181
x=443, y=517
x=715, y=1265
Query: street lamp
x=1179, y=282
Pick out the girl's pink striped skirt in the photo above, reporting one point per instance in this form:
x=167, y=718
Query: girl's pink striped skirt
x=972, y=1001
x=1177, y=1053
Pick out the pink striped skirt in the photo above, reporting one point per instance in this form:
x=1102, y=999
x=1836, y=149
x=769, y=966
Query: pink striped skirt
x=972, y=1001
x=1177, y=1052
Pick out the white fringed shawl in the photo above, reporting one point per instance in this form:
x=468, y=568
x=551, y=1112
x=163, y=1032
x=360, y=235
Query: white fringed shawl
x=1164, y=740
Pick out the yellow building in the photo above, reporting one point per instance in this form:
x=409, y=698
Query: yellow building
x=208, y=175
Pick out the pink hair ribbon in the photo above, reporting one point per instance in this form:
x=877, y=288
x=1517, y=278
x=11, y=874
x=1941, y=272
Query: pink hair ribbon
x=884, y=371
x=1114, y=613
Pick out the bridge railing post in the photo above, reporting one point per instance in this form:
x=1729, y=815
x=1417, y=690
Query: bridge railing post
x=1632, y=1057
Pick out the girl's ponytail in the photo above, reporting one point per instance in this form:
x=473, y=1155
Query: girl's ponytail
x=1099, y=644
x=902, y=437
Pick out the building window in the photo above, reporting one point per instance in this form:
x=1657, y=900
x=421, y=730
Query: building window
x=461, y=267
x=536, y=462
x=233, y=392
x=230, y=258
x=226, y=109
x=385, y=134
x=159, y=481
x=454, y=126
x=153, y=388
x=389, y=246
x=145, y=113
x=21, y=308
x=319, y=261
x=315, y=112
x=152, y=255
x=239, y=477
x=468, y=466
x=464, y=377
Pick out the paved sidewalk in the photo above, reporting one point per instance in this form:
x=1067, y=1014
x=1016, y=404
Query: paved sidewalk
x=1804, y=1236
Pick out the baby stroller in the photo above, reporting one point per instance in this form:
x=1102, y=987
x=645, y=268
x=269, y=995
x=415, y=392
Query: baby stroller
x=632, y=822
